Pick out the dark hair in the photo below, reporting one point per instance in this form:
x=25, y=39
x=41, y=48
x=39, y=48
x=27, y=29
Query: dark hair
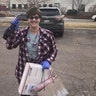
x=33, y=11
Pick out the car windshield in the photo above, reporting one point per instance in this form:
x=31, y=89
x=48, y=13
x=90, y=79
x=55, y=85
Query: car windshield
x=49, y=12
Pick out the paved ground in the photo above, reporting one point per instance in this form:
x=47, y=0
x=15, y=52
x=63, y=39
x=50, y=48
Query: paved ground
x=75, y=63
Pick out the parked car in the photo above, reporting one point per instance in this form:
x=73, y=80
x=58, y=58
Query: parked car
x=94, y=17
x=22, y=17
x=52, y=20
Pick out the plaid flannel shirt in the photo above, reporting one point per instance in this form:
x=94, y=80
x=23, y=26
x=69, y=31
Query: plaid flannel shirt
x=46, y=48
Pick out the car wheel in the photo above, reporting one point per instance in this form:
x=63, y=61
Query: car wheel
x=95, y=19
x=61, y=34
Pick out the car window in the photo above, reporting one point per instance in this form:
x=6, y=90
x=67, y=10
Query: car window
x=49, y=12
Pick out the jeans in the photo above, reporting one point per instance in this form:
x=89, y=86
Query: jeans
x=28, y=95
x=25, y=95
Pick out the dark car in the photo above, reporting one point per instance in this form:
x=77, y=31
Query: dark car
x=52, y=20
x=22, y=17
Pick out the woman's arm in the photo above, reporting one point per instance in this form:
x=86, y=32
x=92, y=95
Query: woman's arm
x=13, y=40
x=12, y=35
x=53, y=49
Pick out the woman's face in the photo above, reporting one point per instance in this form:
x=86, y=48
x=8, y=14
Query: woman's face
x=34, y=21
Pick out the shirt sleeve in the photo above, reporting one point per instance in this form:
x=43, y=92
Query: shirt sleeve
x=13, y=40
x=54, y=49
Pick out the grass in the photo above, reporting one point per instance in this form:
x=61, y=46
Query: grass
x=67, y=25
x=80, y=25
x=7, y=23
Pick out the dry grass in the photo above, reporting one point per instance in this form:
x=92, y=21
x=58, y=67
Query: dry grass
x=7, y=23
x=5, y=13
x=68, y=25
x=80, y=25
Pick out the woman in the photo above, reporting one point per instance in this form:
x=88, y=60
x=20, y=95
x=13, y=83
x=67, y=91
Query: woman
x=36, y=44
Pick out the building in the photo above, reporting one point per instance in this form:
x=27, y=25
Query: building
x=18, y=4
x=25, y=4
x=4, y=4
x=65, y=4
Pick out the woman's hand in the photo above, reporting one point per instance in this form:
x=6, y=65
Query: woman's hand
x=16, y=23
x=45, y=65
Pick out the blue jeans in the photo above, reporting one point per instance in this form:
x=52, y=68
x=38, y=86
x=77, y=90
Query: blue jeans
x=25, y=95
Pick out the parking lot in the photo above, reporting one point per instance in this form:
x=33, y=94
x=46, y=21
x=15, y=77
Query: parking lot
x=75, y=63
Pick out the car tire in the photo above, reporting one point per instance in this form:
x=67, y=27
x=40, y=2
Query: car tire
x=61, y=34
x=95, y=19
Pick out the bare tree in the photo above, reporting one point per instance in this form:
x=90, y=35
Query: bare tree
x=92, y=9
x=21, y=1
x=77, y=3
x=63, y=10
x=80, y=4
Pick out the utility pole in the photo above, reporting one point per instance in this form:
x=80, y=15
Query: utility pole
x=73, y=4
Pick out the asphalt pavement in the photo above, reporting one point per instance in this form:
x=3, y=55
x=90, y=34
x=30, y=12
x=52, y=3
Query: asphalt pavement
x=75, y=63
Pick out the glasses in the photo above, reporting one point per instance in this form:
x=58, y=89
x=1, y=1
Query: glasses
x=34, y=17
